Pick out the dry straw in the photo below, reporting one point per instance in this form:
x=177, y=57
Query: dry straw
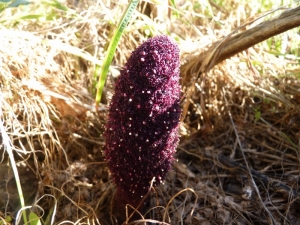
x=238, y=159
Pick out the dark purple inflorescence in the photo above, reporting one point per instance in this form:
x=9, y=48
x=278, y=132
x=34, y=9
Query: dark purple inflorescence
x=142, y=128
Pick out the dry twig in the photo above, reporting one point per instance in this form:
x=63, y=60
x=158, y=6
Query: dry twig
x=233, y=44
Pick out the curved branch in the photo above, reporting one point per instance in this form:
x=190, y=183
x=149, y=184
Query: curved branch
x=234, y=44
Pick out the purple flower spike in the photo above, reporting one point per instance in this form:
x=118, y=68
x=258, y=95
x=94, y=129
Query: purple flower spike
x=142, y=128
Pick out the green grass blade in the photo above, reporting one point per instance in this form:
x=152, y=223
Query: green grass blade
x=174, y=6
x=7, y=146
x=112, y=48
x=56, y=4
x=94, y=81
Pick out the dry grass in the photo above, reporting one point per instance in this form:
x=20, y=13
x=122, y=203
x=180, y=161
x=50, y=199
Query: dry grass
x=238, y=159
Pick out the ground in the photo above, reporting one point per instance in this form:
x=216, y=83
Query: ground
x=238, y=157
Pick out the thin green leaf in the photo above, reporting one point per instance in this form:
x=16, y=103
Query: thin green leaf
x=174, y=6
x=56, y=4
x=94, y=81
x=32, y=16
x=112, y=48
x=24, y=17
x=7, y=146
x=173, y=3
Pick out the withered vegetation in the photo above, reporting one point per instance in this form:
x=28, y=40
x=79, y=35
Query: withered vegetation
x=238, y=157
